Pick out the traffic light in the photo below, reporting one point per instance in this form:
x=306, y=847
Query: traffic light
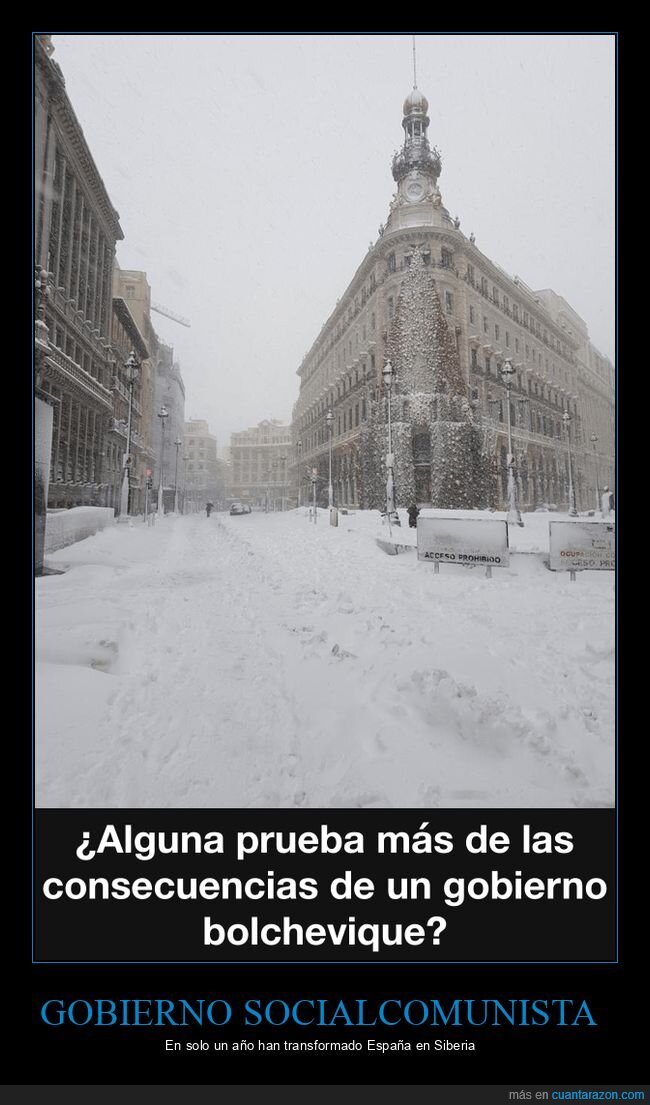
x=149, y=482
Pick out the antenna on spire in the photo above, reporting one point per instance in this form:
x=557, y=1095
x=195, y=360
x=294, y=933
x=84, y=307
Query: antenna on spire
x=415, y=79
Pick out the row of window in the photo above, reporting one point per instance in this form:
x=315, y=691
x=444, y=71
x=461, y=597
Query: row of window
x=346, y=420
x=351, y=380
x=517, y=313
x=65, y=340
x=530, y=354
x=533, y=420
x=348, y=350
x=446, y=260
x=79, y=256
x=342, y=326
x=540, y=390
x=254, y=456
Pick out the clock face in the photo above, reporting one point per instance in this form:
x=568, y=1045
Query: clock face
x=414, y=190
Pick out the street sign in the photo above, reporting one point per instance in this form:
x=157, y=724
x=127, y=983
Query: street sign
x=582, y=546
x=470, y=542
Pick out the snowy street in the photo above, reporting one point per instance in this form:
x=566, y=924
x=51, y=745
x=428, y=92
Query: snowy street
x=263, y=661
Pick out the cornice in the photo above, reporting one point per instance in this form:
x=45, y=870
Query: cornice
x=122, y=311
x=73, y=139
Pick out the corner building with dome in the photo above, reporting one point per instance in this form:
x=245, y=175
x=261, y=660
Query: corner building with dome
x=447, y=318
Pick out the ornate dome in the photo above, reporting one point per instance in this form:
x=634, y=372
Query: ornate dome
x=420, y=157
x=416, y=101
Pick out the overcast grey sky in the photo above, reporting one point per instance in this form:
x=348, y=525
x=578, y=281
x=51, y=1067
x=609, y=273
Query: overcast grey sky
x=251, y=172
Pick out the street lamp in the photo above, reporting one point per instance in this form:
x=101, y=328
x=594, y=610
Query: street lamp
x=178, y=444
x=573, y=511
x=314, y=481
x=329, y=418
x=283, y=477
x=387, y=373
x=299, y=444
x=185, y=460
x=274, y=482
x=514, y=517
x=132, y=366
x=163, y=413
x=594, y=440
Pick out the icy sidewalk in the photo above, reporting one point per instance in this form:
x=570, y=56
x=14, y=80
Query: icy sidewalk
x=264, y=661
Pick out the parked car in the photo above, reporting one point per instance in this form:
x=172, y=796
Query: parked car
x=240, y=508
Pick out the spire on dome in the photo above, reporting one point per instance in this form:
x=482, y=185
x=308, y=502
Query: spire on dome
x=416, y=168
x=416, y=152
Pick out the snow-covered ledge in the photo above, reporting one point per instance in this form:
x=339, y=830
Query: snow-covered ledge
x=64, y=527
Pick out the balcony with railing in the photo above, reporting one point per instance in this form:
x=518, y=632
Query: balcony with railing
x=120, y=426
x=64, y=306
x=68, y=369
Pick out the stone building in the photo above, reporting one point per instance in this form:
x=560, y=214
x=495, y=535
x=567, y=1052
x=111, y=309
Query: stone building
x=448, y=318
x=170, y=394
x=126, y=340
x=76, y=230
x=203, y=476
x=260, y=462
x=133, y=287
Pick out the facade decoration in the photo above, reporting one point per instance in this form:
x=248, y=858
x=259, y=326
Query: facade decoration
x=448, y=318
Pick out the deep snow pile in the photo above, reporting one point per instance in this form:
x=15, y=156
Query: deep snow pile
x=261, y=660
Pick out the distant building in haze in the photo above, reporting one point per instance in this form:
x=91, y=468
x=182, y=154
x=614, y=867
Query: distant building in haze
x=170, y=394
x=203, y=474
x=259, y=466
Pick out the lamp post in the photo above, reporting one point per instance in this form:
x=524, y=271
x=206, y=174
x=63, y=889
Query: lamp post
x=299, y=444
x=274, y=481
x=132, y=367
x=178, y=444
x=283, y=477
x=329, y=418
x=185, y=460
x=163, y=414
x=387, y=373
x=573, y=511
x=314, y=481
x=594, y=441
x=514, y=517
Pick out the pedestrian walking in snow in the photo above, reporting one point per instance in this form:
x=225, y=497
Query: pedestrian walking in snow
x=208, y=508
x=413, y=512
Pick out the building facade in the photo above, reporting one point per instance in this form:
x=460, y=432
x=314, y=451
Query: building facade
x=168, y=441
x=76, y=230
x=447, y=317
x=133, y=287
x=203, y=473
x=126, y=426
x=260, y=466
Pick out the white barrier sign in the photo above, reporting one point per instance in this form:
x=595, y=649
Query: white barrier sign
x=581, y=546
x=465, y=541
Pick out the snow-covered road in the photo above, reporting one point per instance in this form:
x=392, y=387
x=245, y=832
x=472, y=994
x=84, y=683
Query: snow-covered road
x=261, y=660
